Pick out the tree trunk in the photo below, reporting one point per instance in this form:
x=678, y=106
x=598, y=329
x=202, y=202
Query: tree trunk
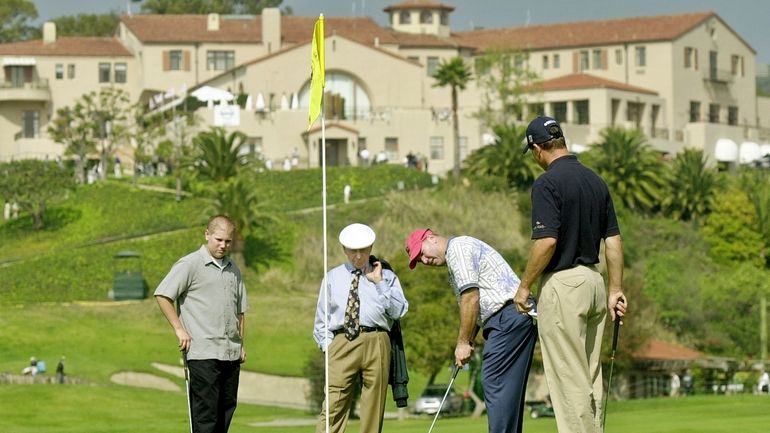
x=456, y=130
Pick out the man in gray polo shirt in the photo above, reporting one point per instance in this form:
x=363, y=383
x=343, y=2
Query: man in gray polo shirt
x=208, y=321
x=485, y=285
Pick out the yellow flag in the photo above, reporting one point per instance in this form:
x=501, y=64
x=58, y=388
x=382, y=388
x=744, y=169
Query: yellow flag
x=318, y=72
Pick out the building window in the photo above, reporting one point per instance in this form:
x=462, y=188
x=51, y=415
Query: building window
x=634, y=112
x=437, y=148
x=641, y=56
x=694, y=111
x=732, y=115
x=31, y=123
x=405, y=17
x=463, y=141
x=690, y=58
x=59, y=71
x=433, y=63
x=545, y=61
x=104, y=72
x=714, y=113
x=518, y=62
x=426, y=17
x=618, y=56
x=559, y=110
x=220, y=60
x=581, y=112
x=352, y=101
x=413, y=58
x=444, y=17
x=391, y=148
x=584, y=60
x=121, y=73
x=736, y=65
x=556, y=61
x=537, y=109
x=175, y=60
x=71, y=71
x=597, y=59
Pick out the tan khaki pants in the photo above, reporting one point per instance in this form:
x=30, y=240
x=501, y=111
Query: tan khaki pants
x=572, y=309
x=368, y=354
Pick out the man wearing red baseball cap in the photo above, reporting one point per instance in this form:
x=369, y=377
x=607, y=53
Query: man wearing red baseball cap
x=485, y=285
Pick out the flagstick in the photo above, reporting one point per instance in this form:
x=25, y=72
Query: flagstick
x=326, y=289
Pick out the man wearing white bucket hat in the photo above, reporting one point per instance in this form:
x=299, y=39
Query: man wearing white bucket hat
x=359, y=314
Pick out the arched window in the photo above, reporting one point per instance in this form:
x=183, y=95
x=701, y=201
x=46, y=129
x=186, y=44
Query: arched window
x=426, y=17
x=405, y=17
x=345, y=97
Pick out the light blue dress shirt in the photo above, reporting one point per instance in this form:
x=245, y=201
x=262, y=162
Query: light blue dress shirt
x=381, y=303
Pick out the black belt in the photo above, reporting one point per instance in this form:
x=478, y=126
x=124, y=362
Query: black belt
x=363, y=329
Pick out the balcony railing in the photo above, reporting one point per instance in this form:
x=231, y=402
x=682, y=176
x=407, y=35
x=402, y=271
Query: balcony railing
x=718, y=76
x=40, y=83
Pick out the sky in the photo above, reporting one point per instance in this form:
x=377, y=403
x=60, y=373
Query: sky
x=748, y=18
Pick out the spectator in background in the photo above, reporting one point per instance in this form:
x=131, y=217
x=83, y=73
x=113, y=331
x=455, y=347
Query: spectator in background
x=60, y=370
x=32, y=369
x=687, y=381
x=675, y=384
x=763, y=386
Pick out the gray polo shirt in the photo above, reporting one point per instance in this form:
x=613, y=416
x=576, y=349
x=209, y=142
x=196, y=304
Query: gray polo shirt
x=473, y=263
x=209, y=300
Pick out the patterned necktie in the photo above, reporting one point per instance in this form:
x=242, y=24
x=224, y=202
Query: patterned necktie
x=352, y=325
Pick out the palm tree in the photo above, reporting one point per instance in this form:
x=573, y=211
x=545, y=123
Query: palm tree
x=693, y=187
x=633, y=171
x=218, y=155
x=503, y=159
x=455, y=74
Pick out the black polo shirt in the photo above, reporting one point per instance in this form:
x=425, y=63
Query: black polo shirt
x=572, y=204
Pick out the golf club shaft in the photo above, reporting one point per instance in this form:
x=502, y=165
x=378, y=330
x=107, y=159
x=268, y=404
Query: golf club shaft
x=612, y=365
x=449, y=387
x=187, y=386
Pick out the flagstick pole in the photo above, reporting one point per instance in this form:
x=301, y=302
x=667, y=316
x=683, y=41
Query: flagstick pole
x=326, y=266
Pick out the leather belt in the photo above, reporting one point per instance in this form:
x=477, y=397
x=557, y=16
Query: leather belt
x=363, y=329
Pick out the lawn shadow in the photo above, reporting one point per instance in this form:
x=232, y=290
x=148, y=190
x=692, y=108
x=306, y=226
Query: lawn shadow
x=54, y=220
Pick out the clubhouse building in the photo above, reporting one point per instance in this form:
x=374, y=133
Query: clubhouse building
x=686, y=81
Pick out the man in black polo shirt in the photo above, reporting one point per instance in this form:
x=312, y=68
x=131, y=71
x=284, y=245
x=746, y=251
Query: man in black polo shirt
x=572, y=212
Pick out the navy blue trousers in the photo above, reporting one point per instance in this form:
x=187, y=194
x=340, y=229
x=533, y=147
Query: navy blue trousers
x=510, y=342
x=213, y=394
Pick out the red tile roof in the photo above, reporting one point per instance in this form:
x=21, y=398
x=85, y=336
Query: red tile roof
x=248, y=29
x=586, y=81
x=661, y=350
x=67, y=46
x=585, y=33
x=418, y=4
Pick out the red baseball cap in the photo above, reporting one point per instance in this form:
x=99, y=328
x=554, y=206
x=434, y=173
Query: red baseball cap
x=414, y=245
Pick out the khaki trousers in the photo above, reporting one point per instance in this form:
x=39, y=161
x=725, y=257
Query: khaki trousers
x=572, y=310
x=368, y=355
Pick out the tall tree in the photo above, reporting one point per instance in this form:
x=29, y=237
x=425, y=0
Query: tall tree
x=74, y=128
x=87, y=24
x=633, y=171
x=693, y=187
x=33, y=184
x=503, y=160
x=503, y=79
x=207, y=6
x=455, y=74
x=15, y=17
x=756, y=184
x=110, y=111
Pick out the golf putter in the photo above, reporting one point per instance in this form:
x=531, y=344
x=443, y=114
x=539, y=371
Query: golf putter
x=187, y=386
x=612, y=364
x=455, y=370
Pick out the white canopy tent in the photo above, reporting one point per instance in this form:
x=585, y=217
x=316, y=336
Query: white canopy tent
x=208, y=93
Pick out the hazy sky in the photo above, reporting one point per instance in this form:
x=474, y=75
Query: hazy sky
x=747, y=17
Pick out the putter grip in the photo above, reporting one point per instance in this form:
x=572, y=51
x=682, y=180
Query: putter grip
x=615, y=334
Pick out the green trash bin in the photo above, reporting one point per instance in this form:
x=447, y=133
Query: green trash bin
x=129, y=282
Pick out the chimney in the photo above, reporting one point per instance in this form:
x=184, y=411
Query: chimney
x=212, y=24
x=49, y=32
x=271, y=29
